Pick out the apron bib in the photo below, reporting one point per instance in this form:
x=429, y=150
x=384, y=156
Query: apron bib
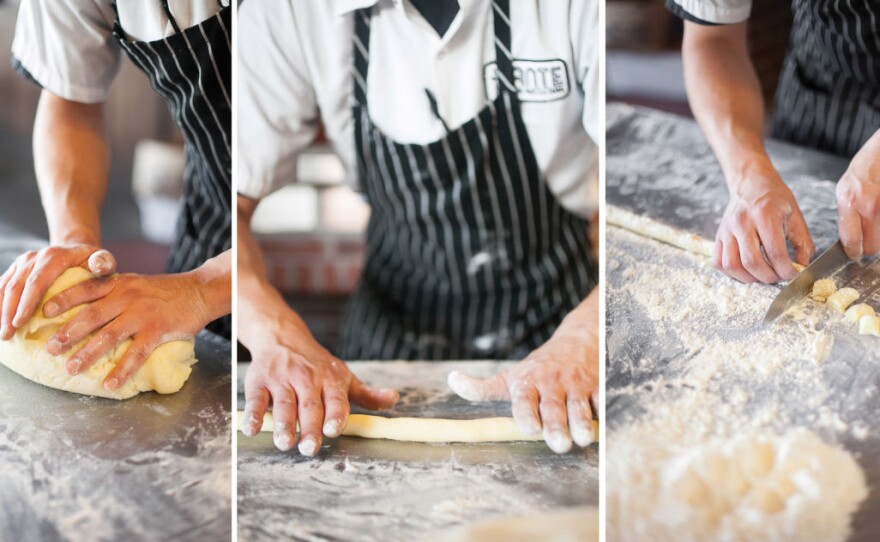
x=468, y=254
x=829, y=89
x=191, y=70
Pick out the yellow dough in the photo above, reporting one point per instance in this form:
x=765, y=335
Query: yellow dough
x=822, y=289
x=567, y=525
x=430, y=429
x=165, y=371
x=843, y=298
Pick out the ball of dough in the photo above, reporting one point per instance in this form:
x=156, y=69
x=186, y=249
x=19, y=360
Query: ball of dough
x=165, y=371
x=823, y=288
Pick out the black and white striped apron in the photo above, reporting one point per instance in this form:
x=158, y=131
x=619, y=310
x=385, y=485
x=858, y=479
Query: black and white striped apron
x=191, y=70
x=829, y=90
x=469, y=254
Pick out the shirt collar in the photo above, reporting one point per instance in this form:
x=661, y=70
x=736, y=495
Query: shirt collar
x=347, y=6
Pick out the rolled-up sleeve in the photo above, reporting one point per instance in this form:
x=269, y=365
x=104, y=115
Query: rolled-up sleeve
x=67, y=47
x=711, y=11
x=277, y=109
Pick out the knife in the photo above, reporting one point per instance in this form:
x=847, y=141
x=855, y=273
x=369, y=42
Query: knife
x=822, y=267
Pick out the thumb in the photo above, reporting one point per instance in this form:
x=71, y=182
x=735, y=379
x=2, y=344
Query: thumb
x=371, y=398
x=102, y=263
x=493, y=388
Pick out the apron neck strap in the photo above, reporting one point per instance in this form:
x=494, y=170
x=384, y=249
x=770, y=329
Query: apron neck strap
x=503, y=57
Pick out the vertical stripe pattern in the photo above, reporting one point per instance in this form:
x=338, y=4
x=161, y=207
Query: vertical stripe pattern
x=191, y=70
x=469, y=254
x=829, y=90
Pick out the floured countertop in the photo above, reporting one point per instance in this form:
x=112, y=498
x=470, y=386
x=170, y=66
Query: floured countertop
x=154, y=467
x=691, y=369
x=377, y=490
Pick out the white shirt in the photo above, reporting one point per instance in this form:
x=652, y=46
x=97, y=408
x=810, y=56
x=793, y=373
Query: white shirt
x=68, y=46
x=294, y=67
x=718, y=11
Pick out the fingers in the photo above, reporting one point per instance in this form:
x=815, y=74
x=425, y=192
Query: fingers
x=84, y=292
x=554, y=419
x=371, y=398
x=871, y=236
x=337, y=410
x=88, y=320
x=772, y=238
x=46, y=270
x=580, y=420
x=730, y=261
x=471, y=388
x=255, y=406
x=102, y=263
x=524, y=406
x=311, y=422
x=101, y=343
x=801, y=240
x=135, y=356
x=11, y=297
x=849, y=224
x=284, y=403
x=753, y=259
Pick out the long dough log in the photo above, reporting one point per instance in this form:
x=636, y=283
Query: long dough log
x=430, y=429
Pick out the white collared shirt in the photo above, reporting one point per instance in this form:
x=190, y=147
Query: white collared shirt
x=717, y=11
x=294, y=68
x=68, y=46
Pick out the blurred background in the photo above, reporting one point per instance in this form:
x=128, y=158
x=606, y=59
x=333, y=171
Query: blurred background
x=147, y=164
x=644, y=51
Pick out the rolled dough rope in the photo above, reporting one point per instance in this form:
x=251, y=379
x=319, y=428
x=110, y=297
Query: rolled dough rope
x=649, y=227
x=430, y=429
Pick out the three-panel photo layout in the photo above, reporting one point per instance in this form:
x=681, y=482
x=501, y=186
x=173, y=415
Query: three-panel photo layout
x=440, y=270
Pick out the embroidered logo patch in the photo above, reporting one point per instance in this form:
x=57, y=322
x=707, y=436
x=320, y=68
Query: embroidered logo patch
x=535, y=80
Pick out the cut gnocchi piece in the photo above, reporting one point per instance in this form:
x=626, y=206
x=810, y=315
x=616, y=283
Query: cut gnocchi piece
x=869, y=325
x=843, y=298
x=798, y=267
x=822, y=289
x=855, y=313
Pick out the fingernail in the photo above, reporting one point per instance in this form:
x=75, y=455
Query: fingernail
x=559, y=441
x=529, y=427
x=308, y=446
x=583, y=436
x=73, y=367
x=331, y=428
x=112, y=384
x=251, y=425
x=50, y=309
x=282, y=437
x=53, y=346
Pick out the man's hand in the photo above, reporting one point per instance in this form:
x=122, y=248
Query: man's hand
x=149, y=310
x=858, y=202
x=751, y=241
x=23, y=285
x=549, y=391
x=306, y=383
x=555, y=389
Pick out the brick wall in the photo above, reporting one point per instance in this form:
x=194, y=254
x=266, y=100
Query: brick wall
x=314, y=263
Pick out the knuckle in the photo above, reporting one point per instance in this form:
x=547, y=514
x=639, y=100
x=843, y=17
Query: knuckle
x=310, y=404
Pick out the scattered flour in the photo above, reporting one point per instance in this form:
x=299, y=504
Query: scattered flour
x=704, y=407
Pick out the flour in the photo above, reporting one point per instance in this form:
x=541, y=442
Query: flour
x=701, y=394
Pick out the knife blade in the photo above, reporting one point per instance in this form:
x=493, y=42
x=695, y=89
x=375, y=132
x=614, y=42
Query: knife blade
x=822, y=267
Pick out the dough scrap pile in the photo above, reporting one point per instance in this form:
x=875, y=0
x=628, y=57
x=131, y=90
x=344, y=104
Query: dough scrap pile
x=752, y=488
x=825, y=291
x=165, y=371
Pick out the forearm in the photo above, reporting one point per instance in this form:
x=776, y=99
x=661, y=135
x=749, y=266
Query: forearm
x=725, y=96
x=263, y=313
x=72, y=161
x=214, y=283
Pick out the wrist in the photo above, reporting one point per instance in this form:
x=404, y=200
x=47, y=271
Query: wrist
x=213, y=283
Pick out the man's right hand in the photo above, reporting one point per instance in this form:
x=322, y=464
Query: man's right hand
x=751, y=241
x=306, y=383
x=23, y=285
